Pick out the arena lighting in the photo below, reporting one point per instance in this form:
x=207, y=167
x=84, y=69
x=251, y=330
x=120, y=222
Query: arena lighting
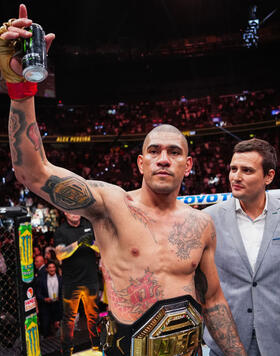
x=250, y=35
x=227, y=131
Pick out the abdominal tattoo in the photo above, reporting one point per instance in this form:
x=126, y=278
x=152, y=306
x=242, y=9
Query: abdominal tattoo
x=189, y=288
x=68, y=193
x=186, y=235
x=138, y=296
x=17, y=125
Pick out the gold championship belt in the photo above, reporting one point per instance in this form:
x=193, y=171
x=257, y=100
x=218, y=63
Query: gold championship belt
x=171, y=327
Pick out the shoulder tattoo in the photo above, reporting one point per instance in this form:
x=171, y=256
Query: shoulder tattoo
x=69, y=193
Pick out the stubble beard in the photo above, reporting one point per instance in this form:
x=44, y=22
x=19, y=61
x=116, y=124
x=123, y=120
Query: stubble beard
x=164, y=188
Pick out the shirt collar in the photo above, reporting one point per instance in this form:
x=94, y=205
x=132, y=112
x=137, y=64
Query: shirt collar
x=239, y=209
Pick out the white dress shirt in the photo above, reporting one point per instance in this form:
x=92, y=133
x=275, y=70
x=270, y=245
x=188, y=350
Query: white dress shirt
x=52, y=286
x=251, y=231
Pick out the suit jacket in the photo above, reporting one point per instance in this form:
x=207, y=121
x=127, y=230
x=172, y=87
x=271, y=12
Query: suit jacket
x=42, y=292
x=253, y=297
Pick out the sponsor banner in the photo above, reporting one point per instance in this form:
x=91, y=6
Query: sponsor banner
x=30, y=304
x=26, y=252
x=73, y=139
x=206, y=199
x=32, y=336
x=29, y=292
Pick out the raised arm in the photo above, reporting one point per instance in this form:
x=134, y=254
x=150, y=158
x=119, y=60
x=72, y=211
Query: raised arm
x=60, y=187
x=216, y=312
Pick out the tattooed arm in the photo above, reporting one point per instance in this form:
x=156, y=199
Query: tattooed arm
x=216, y=312
x=60, y=187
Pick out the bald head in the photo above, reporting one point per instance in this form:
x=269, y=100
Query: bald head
x=39, y=261
x=164, y=129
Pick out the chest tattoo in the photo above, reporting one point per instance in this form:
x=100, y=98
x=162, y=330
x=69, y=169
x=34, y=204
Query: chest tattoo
x=141, y=216
x=186, y=235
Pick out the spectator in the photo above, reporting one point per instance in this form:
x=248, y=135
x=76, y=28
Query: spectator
x=40, y=267
x=248, y=247
x=49, y=298
x=74, y=247
x=36, y=251
x=50, y=255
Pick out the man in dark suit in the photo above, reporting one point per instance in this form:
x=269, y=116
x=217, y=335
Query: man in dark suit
x=49, y=297
x=248, y=249
x=40, y=267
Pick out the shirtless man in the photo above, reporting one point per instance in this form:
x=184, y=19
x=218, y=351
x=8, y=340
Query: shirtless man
x=153, y=247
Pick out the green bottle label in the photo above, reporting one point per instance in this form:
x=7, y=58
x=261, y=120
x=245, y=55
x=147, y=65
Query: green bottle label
x=32, y=336
x=26, y=252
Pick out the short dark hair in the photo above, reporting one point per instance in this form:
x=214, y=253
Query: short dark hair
x=264, y=148
x=51, y=262
x=165, y=128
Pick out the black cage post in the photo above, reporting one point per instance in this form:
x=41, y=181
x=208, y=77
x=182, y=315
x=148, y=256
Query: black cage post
x=29, y=333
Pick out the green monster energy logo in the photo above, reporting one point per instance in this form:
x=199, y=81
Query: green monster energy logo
x=26, y=252
x=29, y=41
x=32, y=336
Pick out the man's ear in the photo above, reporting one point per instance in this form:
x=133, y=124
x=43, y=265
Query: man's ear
x=140, y=163
x=189, y=165
x=270, y=176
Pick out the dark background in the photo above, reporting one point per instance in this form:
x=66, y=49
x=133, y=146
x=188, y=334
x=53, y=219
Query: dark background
x=107, y=51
